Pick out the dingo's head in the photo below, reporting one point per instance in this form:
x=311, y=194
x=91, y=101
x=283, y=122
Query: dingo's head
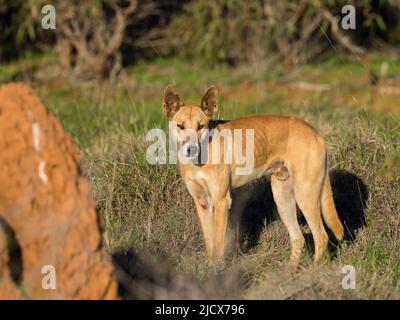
x=190, y=118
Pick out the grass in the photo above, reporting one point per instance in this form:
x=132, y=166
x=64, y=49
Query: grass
x=147, y=209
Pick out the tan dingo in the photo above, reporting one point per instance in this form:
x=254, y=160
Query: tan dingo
x=286, y=148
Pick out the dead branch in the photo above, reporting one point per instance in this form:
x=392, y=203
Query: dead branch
x=89, y=47
x=344, y=40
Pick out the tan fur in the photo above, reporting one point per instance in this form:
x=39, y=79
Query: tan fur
x=287, y=148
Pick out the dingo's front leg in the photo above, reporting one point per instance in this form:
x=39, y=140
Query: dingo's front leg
x=206, y=218
x=205, y=211
x=221, y=205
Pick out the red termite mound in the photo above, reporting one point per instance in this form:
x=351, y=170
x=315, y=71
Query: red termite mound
x=49, y=229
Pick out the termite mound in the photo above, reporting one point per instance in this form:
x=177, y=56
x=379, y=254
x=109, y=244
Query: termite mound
x=50, y=240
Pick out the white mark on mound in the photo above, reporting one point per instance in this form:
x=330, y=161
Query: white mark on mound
x=42, y=174
x=36, y=136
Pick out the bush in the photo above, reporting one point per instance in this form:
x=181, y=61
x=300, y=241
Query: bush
x=19, y=25
x=233, y=31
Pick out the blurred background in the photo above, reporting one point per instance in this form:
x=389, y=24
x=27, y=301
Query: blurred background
x=96, y=40
x=102, y=72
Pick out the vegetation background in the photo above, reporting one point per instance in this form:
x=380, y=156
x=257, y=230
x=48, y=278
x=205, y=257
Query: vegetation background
x=102, y=72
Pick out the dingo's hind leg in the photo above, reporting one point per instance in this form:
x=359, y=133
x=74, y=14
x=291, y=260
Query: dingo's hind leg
x=308, y=199
x=284, y=198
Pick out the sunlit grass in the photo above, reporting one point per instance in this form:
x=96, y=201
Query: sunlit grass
x=147, y=208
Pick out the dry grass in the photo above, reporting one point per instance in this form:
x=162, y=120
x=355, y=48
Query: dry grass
x=148, y=212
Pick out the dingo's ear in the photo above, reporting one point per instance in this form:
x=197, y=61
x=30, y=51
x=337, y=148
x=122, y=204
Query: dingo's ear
x=209, y=103
x=171, y=102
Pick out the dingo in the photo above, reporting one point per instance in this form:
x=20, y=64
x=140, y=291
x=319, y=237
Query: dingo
x=285, y=148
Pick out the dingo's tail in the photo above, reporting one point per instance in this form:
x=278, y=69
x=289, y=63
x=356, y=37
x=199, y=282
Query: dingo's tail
x=329, y=212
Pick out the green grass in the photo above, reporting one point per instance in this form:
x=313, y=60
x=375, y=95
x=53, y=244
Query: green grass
x=8, y=73
x=147, y=209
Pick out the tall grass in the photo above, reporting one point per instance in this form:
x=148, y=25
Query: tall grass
x=147, y=209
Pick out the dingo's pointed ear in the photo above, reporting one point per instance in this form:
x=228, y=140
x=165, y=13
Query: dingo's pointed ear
x=171, y=102
x=209, y=103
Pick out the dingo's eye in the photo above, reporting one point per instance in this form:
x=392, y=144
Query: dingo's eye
x=201, y=126
x=180, y=126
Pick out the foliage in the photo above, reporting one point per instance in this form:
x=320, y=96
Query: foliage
x=96, y=39
x=19, y=25
x=296, y=31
